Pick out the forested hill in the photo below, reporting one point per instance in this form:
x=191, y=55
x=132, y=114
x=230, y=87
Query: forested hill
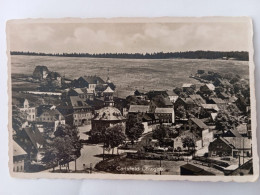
x=236, y=55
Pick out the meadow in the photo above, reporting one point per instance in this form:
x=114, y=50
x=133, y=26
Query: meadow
x=130, y=74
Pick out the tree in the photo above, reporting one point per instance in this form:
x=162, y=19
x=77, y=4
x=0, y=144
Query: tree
x=134, y=128
x=162, y=132
x=181, y=112
x=18, y=118
x=188, y=142
x=64, y=147
x=178, y=90
x=114, y=136
x=224, y=121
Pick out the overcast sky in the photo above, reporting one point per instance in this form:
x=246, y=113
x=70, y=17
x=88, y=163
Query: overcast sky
x=129, y=37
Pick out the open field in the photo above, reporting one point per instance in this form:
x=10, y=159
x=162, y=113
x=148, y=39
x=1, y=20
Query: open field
x=130, y=74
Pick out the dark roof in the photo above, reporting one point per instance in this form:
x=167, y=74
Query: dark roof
x=197, y=99
x=93, y=80
x=234, y=132
x=199, y=123
x=76, y=101
x=42, y=108
x=196, y=170
x=35, y=136
x=138, y=108
x=187, y=100
x=218, y=101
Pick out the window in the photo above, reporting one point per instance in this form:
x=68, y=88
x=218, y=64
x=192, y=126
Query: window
x=21, y=168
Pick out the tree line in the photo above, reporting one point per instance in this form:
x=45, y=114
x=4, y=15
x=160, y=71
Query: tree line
x=236, y=55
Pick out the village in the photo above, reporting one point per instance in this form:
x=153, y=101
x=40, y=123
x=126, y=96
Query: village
x=80, y=125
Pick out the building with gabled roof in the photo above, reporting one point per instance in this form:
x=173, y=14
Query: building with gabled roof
x=138, y=109
x=32, y=141
x=19, y=157
x=165, y=115
x=197, y=99
x=230, y=146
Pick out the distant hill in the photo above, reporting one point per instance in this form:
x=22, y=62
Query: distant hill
x=234, y=55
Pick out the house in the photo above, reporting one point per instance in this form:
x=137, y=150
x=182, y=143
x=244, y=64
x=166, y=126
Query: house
x=80, y=112
x=165, y=115
x=49, y=114
x=107, y=117
x=83, y=93
x=207, y=89
x=25, y=107
x=208, y=109
x=230, y=146
x=199, y=128
x=220, y=103
x=197, y=99
x=140, y=94
x=187, y=103
x=32, y=141
x=149, y=121
x=154, y=93
x=187, y=86
x=172, y=96
x=89, y=82
x=134, y=109
x=40, y=72
x=19, y=157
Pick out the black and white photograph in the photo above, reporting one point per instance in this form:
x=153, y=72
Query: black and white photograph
x=132, y=98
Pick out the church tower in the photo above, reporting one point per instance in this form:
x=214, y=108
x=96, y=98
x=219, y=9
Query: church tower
x=108, y=97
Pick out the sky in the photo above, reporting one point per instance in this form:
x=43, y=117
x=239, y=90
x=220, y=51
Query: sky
x=128, y=37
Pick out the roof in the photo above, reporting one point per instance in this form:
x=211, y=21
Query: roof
x=196, y=170
x=78, y=90
x=93, y=80
x=199, y=123
x=55, y=113
x=138, y=108
x=17, y=149
x=171, y=93
x=164, y=110
x=218, y=101
x=239, y=142
x=197, y=99
x=213, y=116
x=242, y=128
x=234, y=132
x=187, y=100
x=210, y=86
x=77, y=102
x=223, y=81
x=35, y=136
x=108, y=90
x=224, y=95
x=109, y=114
x=210, y=107
x=185, y=85
x=43, y=108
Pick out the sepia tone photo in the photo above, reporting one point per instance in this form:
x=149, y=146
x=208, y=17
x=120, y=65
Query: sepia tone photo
x=132, y=98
